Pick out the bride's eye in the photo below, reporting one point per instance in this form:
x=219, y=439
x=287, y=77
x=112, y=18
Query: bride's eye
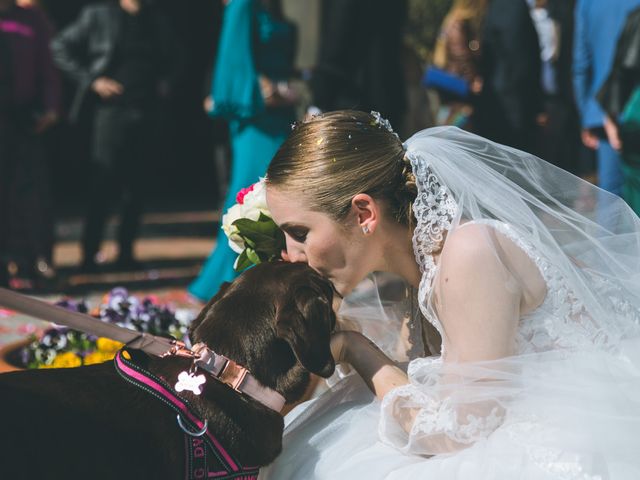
x=298, y=234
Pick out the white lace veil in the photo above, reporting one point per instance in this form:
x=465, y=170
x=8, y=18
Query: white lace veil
x=591, y=236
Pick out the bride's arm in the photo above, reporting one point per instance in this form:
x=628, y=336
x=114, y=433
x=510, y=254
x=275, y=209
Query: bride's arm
x=485, y=283
x=378, y=371
x=479, y=300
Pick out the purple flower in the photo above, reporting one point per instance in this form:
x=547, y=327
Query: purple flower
x=55, y=338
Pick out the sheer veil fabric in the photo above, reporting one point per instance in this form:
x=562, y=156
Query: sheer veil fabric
x=564, y=402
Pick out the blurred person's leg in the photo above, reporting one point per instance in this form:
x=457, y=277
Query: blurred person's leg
x=33, y=212
x=5, y=183
x=610, y=175
x=132, y=169
x=98, y=203
x=25, y=204
x=104, y=187
x=610, y=179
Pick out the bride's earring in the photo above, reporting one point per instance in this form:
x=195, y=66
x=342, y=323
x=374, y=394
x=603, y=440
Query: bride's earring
x=365, y=229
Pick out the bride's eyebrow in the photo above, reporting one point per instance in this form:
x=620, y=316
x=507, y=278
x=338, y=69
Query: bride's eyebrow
x=289, y=226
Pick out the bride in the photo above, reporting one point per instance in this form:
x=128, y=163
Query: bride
x=530, y=276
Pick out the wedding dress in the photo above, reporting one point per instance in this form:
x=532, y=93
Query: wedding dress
x=564, y=405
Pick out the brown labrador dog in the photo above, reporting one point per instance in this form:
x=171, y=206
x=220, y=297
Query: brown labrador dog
x=275, y=319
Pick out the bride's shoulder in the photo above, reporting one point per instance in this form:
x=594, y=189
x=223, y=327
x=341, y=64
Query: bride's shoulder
x=470, y=246
x=479, y=251
x=484, y=237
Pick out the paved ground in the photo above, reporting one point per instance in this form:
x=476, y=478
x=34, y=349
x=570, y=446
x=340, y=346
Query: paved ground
x=171, y=249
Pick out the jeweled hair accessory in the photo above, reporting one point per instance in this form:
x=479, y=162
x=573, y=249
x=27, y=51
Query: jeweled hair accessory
x=382, y=122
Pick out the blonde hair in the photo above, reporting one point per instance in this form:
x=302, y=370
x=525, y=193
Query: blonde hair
x=333, y=157
x=471, y=11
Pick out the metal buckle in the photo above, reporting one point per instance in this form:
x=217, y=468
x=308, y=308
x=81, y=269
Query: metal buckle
x=179, y=349
x=233, y=375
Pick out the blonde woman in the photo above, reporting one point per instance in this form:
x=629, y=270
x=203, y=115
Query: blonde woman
x=458, y=45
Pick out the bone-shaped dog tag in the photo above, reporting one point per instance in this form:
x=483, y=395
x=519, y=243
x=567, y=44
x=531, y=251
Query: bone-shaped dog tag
x=191, y=382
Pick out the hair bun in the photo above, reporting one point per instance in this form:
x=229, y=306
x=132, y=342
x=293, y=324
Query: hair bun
x=408, y=179
x=405, y=192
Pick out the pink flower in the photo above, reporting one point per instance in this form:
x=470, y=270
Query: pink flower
x=153, y=299
x=241, y=194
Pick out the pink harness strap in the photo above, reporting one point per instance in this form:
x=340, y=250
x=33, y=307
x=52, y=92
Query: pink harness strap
x=205, y=457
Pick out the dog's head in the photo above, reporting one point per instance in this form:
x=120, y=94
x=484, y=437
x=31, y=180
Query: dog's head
x=276, y=320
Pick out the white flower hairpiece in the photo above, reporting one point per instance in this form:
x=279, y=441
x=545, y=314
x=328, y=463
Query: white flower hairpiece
x=251, y=231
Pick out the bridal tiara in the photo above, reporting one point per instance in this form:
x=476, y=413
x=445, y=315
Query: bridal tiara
x=382, y=122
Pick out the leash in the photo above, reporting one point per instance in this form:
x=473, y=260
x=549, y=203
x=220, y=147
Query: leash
x=151, y=344
x=215, y=365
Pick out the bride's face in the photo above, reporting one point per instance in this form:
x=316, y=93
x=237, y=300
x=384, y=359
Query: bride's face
x=334, y=250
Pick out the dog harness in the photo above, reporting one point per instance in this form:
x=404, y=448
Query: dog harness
x=205, y=457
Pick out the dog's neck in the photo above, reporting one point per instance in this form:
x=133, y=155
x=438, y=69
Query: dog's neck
x=247, y=428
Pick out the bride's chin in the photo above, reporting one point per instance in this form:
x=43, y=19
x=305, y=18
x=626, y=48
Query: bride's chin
x=338, y=288
x=342, y=289
x=337, y=291
x=343, y=286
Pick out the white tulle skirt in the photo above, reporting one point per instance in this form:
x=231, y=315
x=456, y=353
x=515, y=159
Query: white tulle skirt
x=575, y=416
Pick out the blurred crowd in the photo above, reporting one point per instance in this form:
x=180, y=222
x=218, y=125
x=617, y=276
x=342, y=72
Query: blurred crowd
x=557, y=78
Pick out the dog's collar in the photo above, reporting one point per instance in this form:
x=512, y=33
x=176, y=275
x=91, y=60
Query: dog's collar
x=228, y=372
x=205, y=456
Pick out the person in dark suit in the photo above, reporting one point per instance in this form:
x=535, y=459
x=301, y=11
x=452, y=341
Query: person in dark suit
x=123, y=56
x=511, y=95
x=559, y=141
x=360, y=58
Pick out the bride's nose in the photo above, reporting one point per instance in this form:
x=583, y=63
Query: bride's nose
x=295, y=252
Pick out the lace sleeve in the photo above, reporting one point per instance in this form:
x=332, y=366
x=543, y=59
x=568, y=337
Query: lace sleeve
x=440, y=412
x=484, y=283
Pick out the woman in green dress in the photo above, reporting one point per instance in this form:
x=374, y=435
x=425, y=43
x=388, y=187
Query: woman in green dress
x=249, y=90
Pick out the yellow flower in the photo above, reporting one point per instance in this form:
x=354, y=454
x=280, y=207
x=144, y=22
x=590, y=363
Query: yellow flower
x=66, y=360
x=98, y=357
x=107, y=345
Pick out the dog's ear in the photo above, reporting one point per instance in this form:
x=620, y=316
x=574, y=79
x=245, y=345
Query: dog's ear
x=305, y=322
x=195, y=323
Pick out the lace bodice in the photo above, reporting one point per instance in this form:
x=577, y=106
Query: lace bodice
x=561, y=321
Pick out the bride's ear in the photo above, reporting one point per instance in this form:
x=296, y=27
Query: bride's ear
x=367, y=211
